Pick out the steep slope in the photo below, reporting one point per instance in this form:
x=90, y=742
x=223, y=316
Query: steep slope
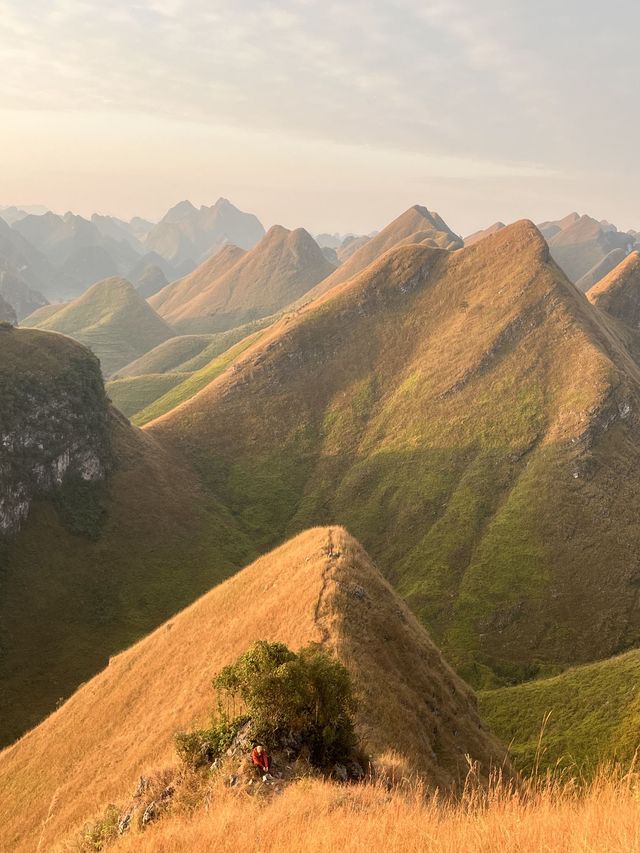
x=480, y=235
x=552, y=227
x=319, y=587
x=577, y=720
x=53, y=420
x=104, y=534
x=174, y=299
x=186, y=386
x=112, y=319
x=601, y=269
x=474, y=421
x=416, y=225
x=283, y=266
x=580, y=244
x=188, y=361
x=7, y=312
x=619, y=292
x=188, y=235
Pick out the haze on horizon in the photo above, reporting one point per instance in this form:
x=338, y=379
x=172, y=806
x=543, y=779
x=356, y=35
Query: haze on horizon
x=335, y=116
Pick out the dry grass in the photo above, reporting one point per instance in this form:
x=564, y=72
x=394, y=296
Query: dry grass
x=617, y=293
x=172, y=301
x=318, y=587
x=242, y=287
x=319, y=817
x=415, y=225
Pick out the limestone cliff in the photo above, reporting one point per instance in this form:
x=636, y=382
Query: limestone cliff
x=54, y=420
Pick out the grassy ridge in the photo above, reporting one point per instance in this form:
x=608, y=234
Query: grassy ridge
x=189, y=387
x=232, y=288
x=112, y=319
x=166, y=357
x=136, y=393
x=221, y=342
x=434, y=406
x=175, y=362
x=574, y=720
x=319, y=586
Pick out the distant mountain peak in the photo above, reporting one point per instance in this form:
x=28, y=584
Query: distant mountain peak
x=179, y=211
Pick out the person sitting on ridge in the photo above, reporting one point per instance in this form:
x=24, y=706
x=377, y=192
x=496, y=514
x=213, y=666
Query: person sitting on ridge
x=260, y=759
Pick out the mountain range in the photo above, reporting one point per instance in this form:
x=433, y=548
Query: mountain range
x=60, y=256
x=466, y=412
x=584, y=248
x=484, y=495
x=234, y=287
x=187, y=235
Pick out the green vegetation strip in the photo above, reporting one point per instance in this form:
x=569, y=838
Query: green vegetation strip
x=576, y=720
x=195, y=383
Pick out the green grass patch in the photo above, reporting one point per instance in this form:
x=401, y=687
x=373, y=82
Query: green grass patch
x=136, y=393
x=193, y=384
x=577, y=720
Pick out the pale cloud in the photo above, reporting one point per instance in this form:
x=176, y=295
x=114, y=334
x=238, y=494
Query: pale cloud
x=499, y=85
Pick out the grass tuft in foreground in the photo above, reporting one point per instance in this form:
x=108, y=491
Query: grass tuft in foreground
x=551, y=815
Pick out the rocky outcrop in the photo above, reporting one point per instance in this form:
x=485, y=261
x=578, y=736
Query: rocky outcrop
x=54, y=420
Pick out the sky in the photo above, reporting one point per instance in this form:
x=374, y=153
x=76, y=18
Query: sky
x=335, y=116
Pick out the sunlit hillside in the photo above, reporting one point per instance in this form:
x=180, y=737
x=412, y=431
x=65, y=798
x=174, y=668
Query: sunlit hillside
x=474, y=420
x=321, y=587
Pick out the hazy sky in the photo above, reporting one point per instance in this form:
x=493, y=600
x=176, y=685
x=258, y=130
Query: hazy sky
x=331, y=115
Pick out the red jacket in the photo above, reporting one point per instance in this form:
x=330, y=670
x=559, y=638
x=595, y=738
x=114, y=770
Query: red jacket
x=260, y=759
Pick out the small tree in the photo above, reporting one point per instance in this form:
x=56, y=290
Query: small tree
x=308, y=694
x=280, y=693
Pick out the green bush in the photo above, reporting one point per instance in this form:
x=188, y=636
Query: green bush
x=201, y=747
x=308, y=694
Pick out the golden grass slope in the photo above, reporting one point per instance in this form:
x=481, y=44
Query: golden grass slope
x=284, y=265
x=317, y=817
x=173, y=300
x=619, y=292
x=112, y=319
x=415, y=225
x=318, y=587
x=476, y=424
x=601, y=269
x=480, y=235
